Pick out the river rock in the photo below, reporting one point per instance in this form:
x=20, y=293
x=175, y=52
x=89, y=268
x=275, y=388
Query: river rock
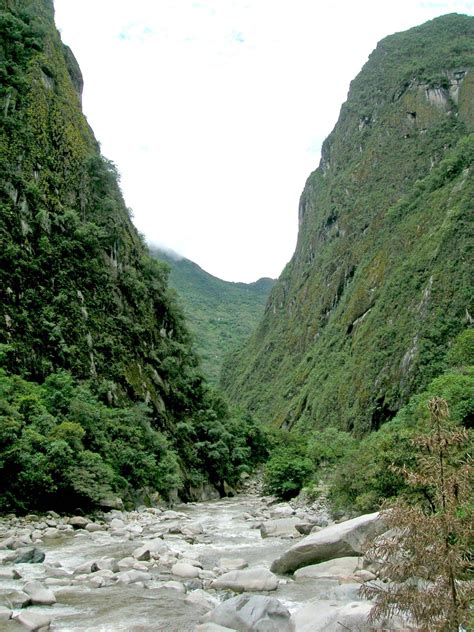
x=283, y=510
x=142, y=554
x=39, y=594
x=232, y=563
x=9, y=573
x=79, y=522
x=183, y=569
x=5, y=613
x=341, y=567
x=15, y=599
x=174, y=585
x=33, y=620
x=249, y=613
x=249, y=580
x=51, y=533
x=26, y=555
x=319, y=615
x=132, y=576
x=116, y=523
x=338, y=540
x=201, y=598
x=279, y=527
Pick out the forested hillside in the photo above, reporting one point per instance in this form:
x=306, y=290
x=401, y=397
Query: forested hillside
x=101, y=392
x=221, y=314
x=380, y=283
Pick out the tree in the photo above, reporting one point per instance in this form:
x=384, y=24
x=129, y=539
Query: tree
x=427, y=554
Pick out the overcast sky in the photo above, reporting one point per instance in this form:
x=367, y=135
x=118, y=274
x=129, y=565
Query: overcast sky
x=214, y=111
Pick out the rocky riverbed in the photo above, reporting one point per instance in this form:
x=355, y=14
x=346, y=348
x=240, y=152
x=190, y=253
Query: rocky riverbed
x=200, y=567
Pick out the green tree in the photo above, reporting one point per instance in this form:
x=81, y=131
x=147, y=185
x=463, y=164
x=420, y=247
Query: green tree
x=427, y=557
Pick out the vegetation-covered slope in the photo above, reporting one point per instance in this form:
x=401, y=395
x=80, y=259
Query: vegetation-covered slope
x=221, y=314
x=97, y=361
x=380, y=281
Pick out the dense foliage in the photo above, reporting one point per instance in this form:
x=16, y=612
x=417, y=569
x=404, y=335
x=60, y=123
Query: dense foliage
x=101, y=390
x=380, y=281
x=361, y=474
x=220, y=314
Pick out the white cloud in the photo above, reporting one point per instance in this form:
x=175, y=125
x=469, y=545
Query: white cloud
x=214, y=111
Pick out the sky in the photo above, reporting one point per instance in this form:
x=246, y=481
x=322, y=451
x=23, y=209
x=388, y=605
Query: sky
x=214, y=111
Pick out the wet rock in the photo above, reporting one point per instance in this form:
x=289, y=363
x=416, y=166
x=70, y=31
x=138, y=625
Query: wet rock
x=55, y=571
x=203, y=599
x=279, y=527
x=126, y=562
x=248, y=580
x=78, y=522
x=183, y=569
x=116, y=523
x=232, y=564
x=338, y=540
x=332, y=616
x=283, y=510
x=27, y=555
x=94, y=527
x=174, y=585
x=39, y=594
x=33, y=620
x=341, y=567
x=305, y=528
x=15, y=599
x=142, y=553
x=51, y=533
x=132, y=576
x=5, y=613
x=248, y=613
x=9, y=573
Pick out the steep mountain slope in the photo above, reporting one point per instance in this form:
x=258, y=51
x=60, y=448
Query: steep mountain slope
x=380, y=279
x=82, y=301
x=221, y=315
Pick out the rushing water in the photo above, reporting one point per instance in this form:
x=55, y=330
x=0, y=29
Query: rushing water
x=227, y=532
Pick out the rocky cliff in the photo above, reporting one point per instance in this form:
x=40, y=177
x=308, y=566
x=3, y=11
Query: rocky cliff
x=379, y=283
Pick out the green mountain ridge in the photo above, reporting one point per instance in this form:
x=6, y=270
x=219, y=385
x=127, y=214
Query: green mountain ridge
x=380, y=281
x=221, y=314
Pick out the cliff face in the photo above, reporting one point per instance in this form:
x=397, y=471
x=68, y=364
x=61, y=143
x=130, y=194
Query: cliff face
x=379, y=283
x=78, y=290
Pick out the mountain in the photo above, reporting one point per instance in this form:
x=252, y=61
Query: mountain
x=221, y=314
x=100, y=390
x=381, y=279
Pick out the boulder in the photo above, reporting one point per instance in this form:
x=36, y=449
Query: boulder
x=9, y=573
x=26, y=555
x=174, y=585
x=142, y=554
x=320, y=615
x=203, y=599
x=283, y=510
x=51, y=533
x=340, y=568
x=15, y=599
x=280, y=527
x=338, y=540
x=132, y=576
x=251, y=613
x=183, y=569
x=79, y=522
x=249, y=580
x=33, y=620
x=5, y=613
x=39, y=594
x=232, y=563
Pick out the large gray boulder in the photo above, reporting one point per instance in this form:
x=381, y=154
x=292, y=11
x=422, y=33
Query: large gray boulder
x=34, y=620
x=340, y=568
x=280, y=527
x=39, y=594
x=338, y=540
x=320, y=615
x=249, y=580
x=26, y=555
x=252, y=613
